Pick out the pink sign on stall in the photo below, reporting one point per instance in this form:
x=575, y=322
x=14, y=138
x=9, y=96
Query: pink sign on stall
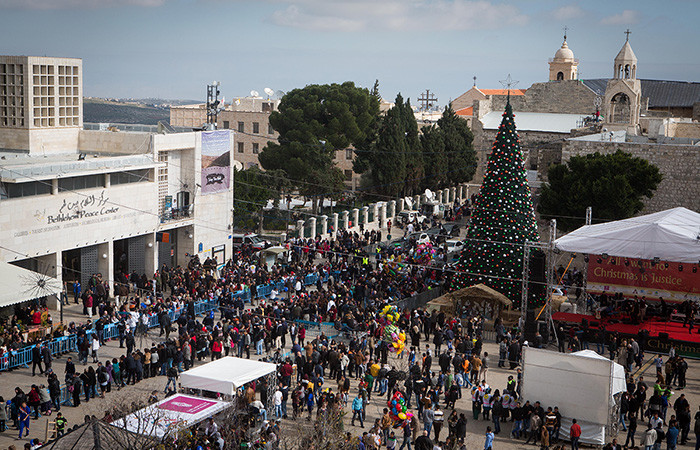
x=185, y=404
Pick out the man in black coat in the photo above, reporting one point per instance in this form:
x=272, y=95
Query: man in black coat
x=36, y=359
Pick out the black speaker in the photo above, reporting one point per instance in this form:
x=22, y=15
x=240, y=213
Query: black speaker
x=584, y=323
x=530, y=325
x=537, y=286
x=543, y=328
x=663, y=336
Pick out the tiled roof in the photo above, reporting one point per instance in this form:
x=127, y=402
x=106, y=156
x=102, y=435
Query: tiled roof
x=465, y=111
x=502, y=91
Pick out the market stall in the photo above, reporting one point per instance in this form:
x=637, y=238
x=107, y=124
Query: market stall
x=171, y=414
x=584, y=385
x=226, y=375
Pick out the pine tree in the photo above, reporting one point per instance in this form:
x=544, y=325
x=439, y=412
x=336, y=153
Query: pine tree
x=502, y=219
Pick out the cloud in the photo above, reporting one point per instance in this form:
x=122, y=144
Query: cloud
x=568, y=13
x=626, y=17
x=396, y=15
x=75, y=4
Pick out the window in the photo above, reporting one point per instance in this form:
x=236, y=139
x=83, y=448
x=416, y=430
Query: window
x=17, y=190
x=76, y=183
x=348, y=175
x=256, y=127
x=132, y=176
x=256, y=148
x=348, y=153
x=226, y=125
x=241, y=148
x=267, y=107
x=270, y=130
x=241, y=127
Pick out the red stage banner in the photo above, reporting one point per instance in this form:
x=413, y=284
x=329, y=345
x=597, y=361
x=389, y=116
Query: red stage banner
x=655, y=281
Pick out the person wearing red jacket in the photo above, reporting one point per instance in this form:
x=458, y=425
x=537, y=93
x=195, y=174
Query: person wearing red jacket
x=575, y=434
x=216, y=349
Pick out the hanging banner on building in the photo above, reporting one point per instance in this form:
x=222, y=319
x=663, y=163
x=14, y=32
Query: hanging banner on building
x=216, y=161
x=670, y=281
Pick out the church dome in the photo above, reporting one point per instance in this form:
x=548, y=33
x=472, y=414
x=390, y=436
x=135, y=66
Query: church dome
x=564, y=53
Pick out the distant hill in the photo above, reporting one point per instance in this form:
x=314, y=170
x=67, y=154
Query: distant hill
x=103, y=111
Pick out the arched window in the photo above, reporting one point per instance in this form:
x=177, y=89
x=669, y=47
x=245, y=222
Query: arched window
x=560, y=76
x=620, y=108
x=627, y=71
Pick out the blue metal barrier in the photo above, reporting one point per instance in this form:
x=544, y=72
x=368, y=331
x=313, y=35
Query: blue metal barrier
x=65, y=344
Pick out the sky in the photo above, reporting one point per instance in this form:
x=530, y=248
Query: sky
x=173, y=48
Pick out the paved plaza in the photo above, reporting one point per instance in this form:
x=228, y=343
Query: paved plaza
x=497, y=377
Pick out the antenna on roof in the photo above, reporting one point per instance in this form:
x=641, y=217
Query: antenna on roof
x=565, y=30
x=474, y=81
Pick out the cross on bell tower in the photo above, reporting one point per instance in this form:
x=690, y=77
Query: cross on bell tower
x=627, y=33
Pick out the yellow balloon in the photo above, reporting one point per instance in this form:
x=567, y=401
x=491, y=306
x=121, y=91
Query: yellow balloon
x=402, y=416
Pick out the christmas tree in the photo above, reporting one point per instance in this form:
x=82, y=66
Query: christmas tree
x=502, y=219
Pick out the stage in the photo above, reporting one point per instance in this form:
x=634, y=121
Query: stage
x=686, y=343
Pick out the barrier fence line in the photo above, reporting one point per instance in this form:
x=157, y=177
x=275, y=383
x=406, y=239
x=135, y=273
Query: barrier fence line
x=66, y=344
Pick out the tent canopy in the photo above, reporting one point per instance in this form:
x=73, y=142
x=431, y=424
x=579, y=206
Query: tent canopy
x=671, y=235
x=170, y=414
x=225, y=375
x=581, y=384
x=19, y=285
x=479, y=293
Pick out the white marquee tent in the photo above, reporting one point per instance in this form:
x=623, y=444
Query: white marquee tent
x=170, y=414
x=225, y=375
x=671, y=235
x=582, y=384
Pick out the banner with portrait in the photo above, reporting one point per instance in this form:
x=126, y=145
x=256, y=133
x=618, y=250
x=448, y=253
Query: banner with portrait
x=216, y=161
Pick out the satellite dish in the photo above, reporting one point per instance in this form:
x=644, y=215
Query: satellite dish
x=409, y=202
x=279, y=94
x=429, y=195
x=254, y=93
x=269, y=92
x=238, y=101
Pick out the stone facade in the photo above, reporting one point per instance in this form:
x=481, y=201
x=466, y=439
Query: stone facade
x=679, y=165
x=567, y=97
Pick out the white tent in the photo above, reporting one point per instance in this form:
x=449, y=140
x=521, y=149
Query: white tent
x=171, y=414
x=19, y=285
x=225, y=375
x=671, y=235
x=581, y=384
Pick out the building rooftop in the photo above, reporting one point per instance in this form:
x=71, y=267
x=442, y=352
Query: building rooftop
x=465, y=111
x=504, y=92
x=661, y=93
x=22, y=167
x=531, y=121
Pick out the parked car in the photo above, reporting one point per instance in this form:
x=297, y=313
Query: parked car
x=454, y=245
x=252, y=239
x=409, y=216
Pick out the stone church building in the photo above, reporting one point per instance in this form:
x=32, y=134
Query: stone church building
x=566, y=116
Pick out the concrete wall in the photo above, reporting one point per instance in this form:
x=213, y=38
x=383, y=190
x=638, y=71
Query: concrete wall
x=93, y=141
x=679, y=165
x=38, y=225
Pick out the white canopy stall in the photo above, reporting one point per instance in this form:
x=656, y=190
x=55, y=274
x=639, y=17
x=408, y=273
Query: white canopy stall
x=671, y=235
x=225, y=375
x=582, y=384
x=169, y=415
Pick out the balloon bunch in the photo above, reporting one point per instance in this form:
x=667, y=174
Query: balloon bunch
x=391, y=313
x=424, y=253
x=397, y=408
x=393, y=334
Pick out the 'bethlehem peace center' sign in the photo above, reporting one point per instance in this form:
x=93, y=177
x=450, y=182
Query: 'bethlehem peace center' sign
x=81, y=208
